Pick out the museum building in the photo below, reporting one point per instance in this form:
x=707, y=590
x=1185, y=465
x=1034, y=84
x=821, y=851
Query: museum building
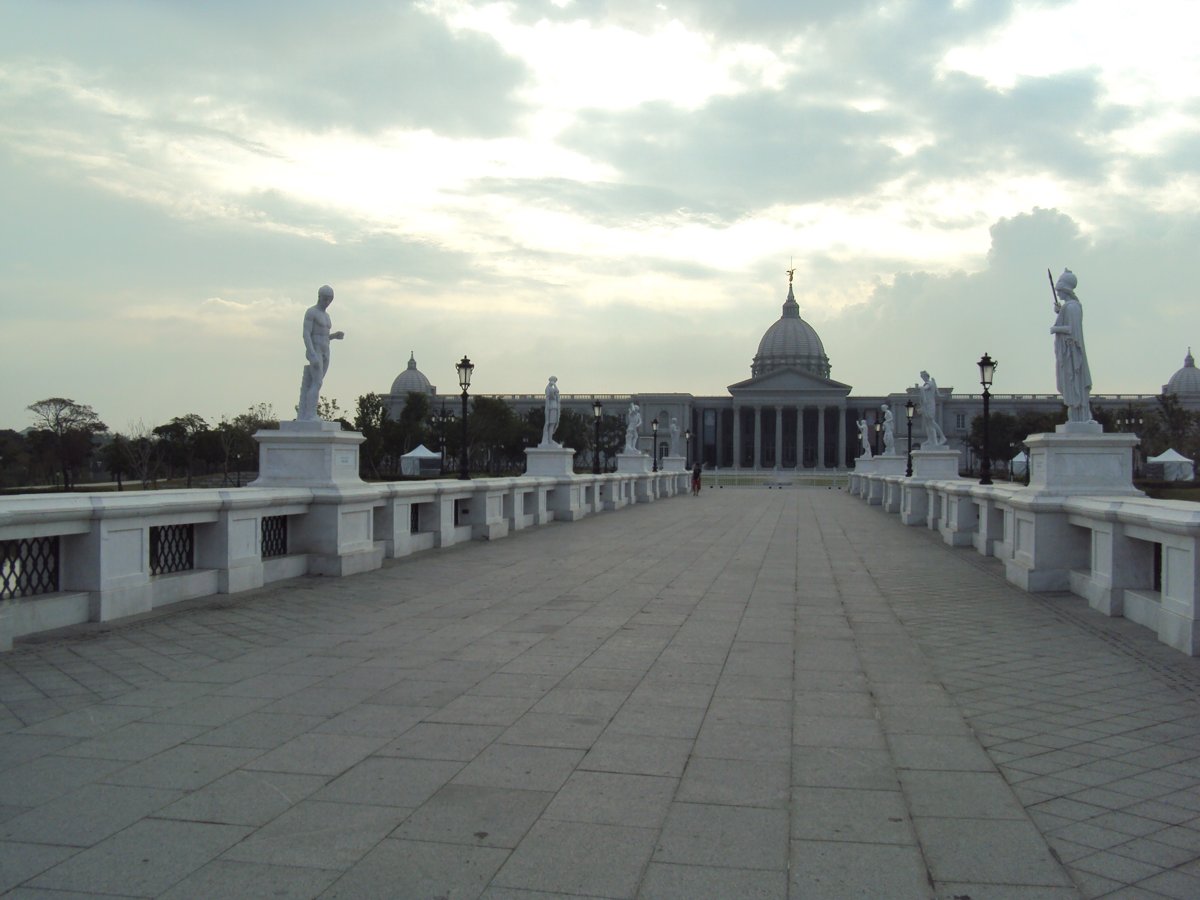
x=791, y=414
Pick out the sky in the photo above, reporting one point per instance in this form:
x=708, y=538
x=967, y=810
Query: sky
x=610, y=191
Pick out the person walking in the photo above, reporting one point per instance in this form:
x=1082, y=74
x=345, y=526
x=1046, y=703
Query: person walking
x=696, y=469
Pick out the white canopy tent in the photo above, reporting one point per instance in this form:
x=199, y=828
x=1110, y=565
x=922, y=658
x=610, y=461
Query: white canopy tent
x=1019, y=464
x=420, y=461
x=1175, y=466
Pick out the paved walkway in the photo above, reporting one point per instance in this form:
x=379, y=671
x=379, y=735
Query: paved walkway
x=757, y=693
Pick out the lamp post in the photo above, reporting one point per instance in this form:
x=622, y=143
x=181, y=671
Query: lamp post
x=878, y=428
x=597, y=411
x=987, y=370
x=654, y=431
x=909, y=410
x=687, y=445
x=465, y=368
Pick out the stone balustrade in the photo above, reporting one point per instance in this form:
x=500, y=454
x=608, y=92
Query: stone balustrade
x=72, y=558
x=1126, y=554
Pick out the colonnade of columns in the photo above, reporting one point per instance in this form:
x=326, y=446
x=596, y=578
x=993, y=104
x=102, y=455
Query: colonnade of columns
x=759, y=459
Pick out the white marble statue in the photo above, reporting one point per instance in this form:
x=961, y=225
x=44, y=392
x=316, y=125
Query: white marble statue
x=633, y=427
x=889, y=432
x=316, y=348
x=553, y=412
x=863, y=431
x=927, y=391
x=676, y=450
x=1070, y=357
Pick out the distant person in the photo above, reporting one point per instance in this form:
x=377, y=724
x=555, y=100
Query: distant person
x=316, y=348
x=696, y=470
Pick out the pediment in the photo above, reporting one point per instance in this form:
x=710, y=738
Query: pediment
x=790, y=381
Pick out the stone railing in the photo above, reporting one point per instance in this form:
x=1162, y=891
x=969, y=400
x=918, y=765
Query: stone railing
x=67, y=559
x=1126, y=554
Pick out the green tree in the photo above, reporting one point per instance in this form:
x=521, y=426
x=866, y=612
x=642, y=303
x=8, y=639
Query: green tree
x=14, y=458
x=412, y=428
x=1175, y=424
x=114, y=455
x=179, y=439
x=494, y=431
x=371, y=419
x=71, y=426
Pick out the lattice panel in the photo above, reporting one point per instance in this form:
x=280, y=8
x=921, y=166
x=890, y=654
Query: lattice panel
x=172, y=549
x=274, y=536
x=28, y=566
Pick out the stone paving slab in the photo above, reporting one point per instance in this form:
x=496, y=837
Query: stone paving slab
x=747, y=694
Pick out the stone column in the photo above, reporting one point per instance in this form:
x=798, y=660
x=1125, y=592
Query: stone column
x=778, y=436
x=718, y=415
x=800, y=437
x=737, y=436
x=757, y=437
x=841, y=460
x=821, y=436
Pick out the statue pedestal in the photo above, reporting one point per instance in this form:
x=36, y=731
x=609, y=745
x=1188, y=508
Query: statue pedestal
x=935, y=465
x=633, y=463
x=889, y=465
x=307, y=454
x=337, y=530
x=673, y=464
x=552, y=462
x=1077, y=459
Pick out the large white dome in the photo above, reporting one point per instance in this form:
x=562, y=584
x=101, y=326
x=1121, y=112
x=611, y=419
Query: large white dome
x=790, y=343
x=411, y=379
x=1186, y=380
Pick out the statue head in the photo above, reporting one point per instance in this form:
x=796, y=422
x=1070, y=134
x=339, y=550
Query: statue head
x=1066, y=284
x=553, y=379
x=324, y=296
x=924, y=375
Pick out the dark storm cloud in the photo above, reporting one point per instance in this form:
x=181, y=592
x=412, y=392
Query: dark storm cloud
x=366, y=66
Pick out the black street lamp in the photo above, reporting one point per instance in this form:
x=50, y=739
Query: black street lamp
x=987, y=370
x=687, y=445
x=597, y=411
x=878, y=428
x=654, y=429
x=909, y=410
x=465, y=368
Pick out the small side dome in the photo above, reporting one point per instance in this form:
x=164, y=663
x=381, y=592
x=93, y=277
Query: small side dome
x=1186, y=381
x=411, y=379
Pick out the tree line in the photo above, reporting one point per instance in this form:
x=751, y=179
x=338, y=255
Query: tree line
x=68, y=443
x=1167, y=425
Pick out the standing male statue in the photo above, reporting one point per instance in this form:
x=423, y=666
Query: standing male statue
x=863, y=432
x=676, y=450
x=1070, y=357
x=633, y=426
x=316, y=347
x=553, y=411
x=927, y=391
x=889, y=432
